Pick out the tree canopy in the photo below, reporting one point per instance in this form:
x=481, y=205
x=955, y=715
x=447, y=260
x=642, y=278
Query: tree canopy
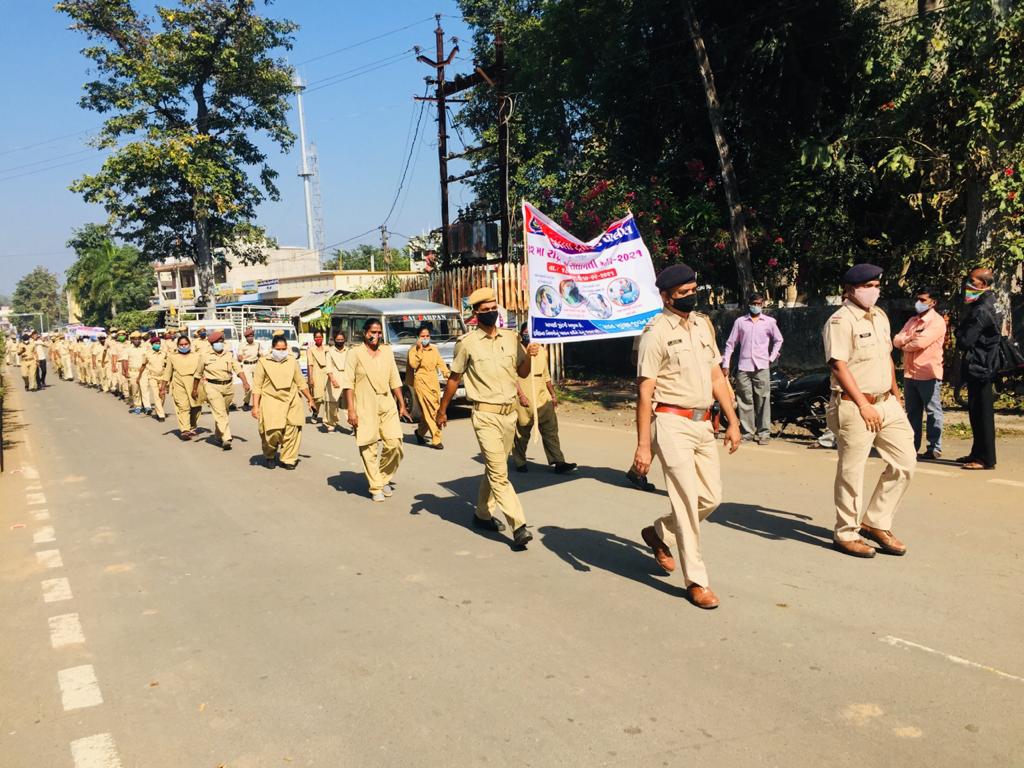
x=107, y=279
x=185, y=94
x=39, y=291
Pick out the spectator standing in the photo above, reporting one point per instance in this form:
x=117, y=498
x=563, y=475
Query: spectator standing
x=759, y=343
x=922, y=339
x=978, y=337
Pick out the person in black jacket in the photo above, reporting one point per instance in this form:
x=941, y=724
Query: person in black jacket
x=978, y=337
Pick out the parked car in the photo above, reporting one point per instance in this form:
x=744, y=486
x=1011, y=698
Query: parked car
x=401, y=319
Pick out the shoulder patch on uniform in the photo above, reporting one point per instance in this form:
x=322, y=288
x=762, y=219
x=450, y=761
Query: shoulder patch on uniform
x=836, y=321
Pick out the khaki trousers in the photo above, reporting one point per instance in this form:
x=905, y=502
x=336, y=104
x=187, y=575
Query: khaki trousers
x=495, y=433
x=689, y=456
x=548, y=426
x=28, y=373
x=283, y=442
x=334, y=405
x=156, y=402
x=380, y=471
x=894, y=443
x=103, y=377
x=135, y=389
x=220, y=397
x=188, y=417
x=428, y=398
x=249, y=369
x=65, y=366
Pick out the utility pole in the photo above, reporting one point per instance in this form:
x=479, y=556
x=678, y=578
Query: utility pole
x=439, y=64
x=504, y=116
x=304, y=173
x=384, y=251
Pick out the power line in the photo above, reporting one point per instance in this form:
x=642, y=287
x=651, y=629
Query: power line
x=47, y=160
x=44, y=170
x=49, y=141
x=364, y=42
x=359, y=68
x=357, y=74
x=408, y=161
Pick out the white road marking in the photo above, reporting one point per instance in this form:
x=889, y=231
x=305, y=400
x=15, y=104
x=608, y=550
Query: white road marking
x=96, y=751
x=31, y=473
x=331, y=456
x=900, y=643
x=56, y=590
x=50, y=558
x=66, y=629
x=33, y=487
x=79, y=687
x=44, y=535
x=1014, y=483
x=35, y=499
x=40, y=514
x=936, y=472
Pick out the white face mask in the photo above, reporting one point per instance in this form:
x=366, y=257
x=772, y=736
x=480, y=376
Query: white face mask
x=280, y=355
x=921, y=307
x=754, y=309
x=218, y=346
x=867, y=297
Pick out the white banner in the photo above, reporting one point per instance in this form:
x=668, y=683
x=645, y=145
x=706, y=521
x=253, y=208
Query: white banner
x=587, y=290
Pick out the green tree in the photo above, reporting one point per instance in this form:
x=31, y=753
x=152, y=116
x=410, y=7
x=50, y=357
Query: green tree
x=39, y=291
x=189, y=92
x=5, y=300
x=107, y=279
x=363, y=256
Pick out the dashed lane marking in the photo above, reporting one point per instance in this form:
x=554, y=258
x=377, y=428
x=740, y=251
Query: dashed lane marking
x=50, y=558
x=56, y=590
x=31, y=473
x=1000, y=481
x=97, y=751
x=35, y=499
x=44, y=535
x=33, y=487
x=66, y=629
x=40, y=514
x=900, y=643
x=79, y=687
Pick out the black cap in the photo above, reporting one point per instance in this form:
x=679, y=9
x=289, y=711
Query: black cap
x=861, y=273
x=676, y=274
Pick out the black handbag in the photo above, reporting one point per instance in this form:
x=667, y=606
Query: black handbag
x=1008, y=355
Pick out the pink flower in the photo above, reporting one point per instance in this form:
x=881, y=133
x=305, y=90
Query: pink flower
x=710, y=184
x=779, y=241
x=657, y=202
x=631, y=196
x=1008, y=171
x=773, y=262
x=719, y=246
x=673, y=248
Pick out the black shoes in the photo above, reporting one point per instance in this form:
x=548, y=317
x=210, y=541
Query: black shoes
x=521, y=537
x=420, y=438
x=226, y=445
x=490, y=524
x=641, y=482
x=564, y=467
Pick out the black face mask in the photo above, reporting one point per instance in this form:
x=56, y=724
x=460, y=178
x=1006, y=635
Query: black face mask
x=685, y=304
x=487, y=318
x=339, y=344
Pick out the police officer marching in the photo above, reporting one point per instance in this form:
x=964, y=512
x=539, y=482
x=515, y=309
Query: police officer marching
x=248, y=356
x=865, y=412
x=679, y=378
x=491, y=361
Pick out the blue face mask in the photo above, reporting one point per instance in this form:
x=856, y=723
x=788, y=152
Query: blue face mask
x=425, y=342
x=218, y=346
x=185, y=350
x=156, y=347
x=754, y=309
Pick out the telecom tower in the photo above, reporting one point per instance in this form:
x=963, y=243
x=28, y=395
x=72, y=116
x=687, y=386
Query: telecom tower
x=309, y=174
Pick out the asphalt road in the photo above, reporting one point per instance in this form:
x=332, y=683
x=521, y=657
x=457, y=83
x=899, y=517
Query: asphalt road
x=170, y=604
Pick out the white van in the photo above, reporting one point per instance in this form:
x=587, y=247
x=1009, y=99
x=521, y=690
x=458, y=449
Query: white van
x=264, y=333
x=224, y=326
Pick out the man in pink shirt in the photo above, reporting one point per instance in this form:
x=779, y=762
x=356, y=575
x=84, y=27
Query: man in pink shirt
x=921, y=340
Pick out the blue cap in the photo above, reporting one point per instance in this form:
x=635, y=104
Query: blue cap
x=861, y=273
x=676, y=274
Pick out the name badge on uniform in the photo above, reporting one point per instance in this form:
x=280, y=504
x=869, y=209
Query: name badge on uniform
x=866, y=335
x=674, y=341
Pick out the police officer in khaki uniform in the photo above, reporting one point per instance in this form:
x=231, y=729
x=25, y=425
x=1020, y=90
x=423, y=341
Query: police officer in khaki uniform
x=316, y=369
x=337, y=356
x=149, y=377
x=248, y=356
x=217, y=370
x=865, y=412
x=27, y=359
x=490, y=360
x=538, y=383
x=679, y=377
x=131, y=360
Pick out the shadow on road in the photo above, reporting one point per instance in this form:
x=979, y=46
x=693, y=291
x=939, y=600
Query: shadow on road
x=585, y=549
x=353, y=483
x=771, y=523
x=459, y=508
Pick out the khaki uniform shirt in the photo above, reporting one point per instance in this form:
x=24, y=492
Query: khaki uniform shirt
x=219, y=367
x=279, y=385
x=135, y=356
x=422, y=366
x=180, y=371
x=26, y=352
x=539, y=372
x=316, y=363
x=249, y=353
x=199, y=346
x=114, y=352
x=372, y=379
x=155, y=361
x=488, y=365
x=336, y=362
x=679, y=355
x=862, y=341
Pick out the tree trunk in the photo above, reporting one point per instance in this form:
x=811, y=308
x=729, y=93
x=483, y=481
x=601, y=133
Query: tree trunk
x=737, y=221
x=204, y=269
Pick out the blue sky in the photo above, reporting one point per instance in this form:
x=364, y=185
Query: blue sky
x=360, y=126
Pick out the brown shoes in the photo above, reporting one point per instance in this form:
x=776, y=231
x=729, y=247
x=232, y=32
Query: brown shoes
x=702, y=597
x=855, y=548
x=885, y=540
x=661, y=551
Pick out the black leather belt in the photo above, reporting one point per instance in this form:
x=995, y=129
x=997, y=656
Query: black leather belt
x=218, y=381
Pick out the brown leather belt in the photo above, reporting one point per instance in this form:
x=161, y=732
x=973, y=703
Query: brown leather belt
x=693, y=414
x=870, y=398
x=218, y=381
x=501, y=410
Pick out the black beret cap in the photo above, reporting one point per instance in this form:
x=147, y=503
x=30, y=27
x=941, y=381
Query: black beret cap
x=861, y=273
x=676, y=274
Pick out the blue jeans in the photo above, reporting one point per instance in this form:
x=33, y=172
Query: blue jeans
x=926, y=395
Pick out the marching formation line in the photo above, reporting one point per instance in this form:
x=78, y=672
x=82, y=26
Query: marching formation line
x=79, y=687
x=50, y=558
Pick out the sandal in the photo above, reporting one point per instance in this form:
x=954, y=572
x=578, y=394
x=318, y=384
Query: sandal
x=965, y=459
x=975, y=465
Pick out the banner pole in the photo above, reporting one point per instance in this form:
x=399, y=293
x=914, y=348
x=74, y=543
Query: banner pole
x=529, y=324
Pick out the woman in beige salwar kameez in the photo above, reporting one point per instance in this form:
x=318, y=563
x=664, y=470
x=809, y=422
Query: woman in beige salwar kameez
x=275, y=404
x=372, y=389
x=179, y=375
